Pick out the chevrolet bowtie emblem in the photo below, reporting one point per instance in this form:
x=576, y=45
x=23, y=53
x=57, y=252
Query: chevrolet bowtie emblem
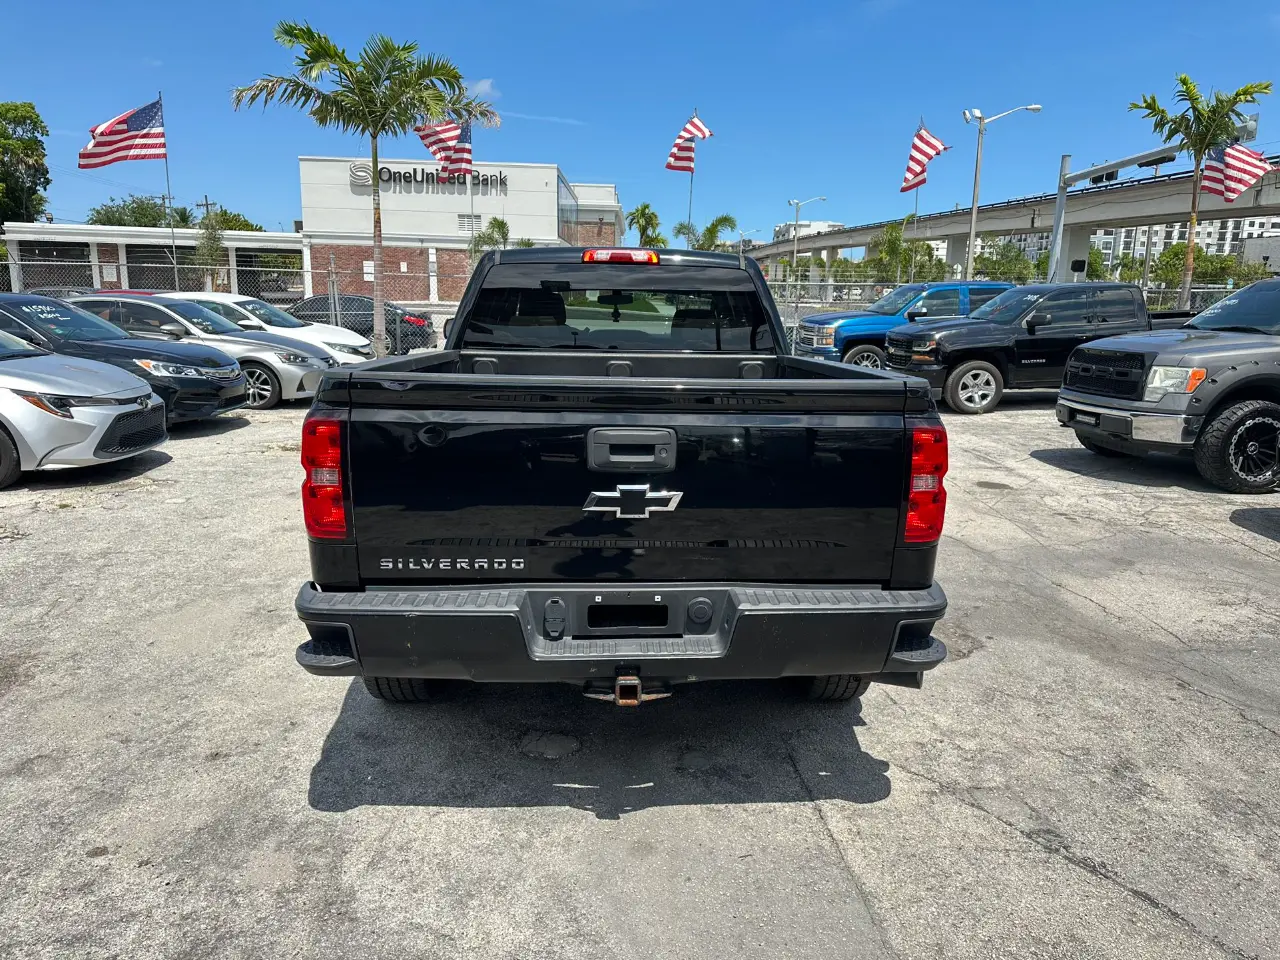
x=632, y=501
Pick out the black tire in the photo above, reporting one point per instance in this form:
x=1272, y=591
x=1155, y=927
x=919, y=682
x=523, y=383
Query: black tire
x=400, y=689
x=262, y=386
x=865, y=355
x=10, y=465
x=974, y=387
x=1094, y=447
x=1237, y=451
x=837, y=687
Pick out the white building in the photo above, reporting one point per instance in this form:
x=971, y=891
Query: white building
x=1212, y=236
x=787, y=231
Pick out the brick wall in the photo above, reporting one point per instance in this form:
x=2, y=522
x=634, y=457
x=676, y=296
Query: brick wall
x=109, y=253
x=453, y=270
x=592, y=233
x=413, y=283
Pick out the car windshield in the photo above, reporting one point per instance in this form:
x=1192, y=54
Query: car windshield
x=1255, y=309
x=558, y=306
x=893, y=301
x=1007, y=307
x=202, y=318
x=11, y=346
x=65, y=321
x=271, y=316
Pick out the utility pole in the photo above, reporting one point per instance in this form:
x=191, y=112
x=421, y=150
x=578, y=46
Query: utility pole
x=207, y=206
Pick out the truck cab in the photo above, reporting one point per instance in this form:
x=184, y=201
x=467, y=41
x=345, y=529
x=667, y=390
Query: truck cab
x=857, y=336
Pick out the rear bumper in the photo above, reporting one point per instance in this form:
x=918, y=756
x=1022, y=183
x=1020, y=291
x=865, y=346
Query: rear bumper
x=1141, y=429
x=711, y=631
x=932, y=372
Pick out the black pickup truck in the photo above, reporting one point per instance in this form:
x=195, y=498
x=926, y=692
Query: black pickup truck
x=1210, y=390
x=1021, y=339
x=614, y=476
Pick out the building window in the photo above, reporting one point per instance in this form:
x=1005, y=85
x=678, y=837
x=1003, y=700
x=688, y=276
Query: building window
x=566, y=211
x=469, y=224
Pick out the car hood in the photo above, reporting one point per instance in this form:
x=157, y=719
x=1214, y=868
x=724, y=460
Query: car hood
x=938, y=324
x=329, y=333
x=139, y=348
x=256, y=338
x=70, y=377
x=826, y=319
x=1189, y=342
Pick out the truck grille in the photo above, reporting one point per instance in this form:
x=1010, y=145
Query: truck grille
x=133, y=431
x=807, y=336
x=898, y=352
x=1118, y=375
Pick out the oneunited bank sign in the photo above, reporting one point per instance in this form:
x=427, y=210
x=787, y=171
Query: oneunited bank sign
x=362, y=176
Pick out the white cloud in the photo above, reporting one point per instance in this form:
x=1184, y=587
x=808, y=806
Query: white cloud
x=485, y=89
x=533, y=116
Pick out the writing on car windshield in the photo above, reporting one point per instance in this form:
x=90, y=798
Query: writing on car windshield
x=1008, y=306
x=1255, y=309
x=605, y=307
x=68, y=322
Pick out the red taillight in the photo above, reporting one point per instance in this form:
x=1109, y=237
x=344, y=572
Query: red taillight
x=618, y=255
x=416, y=321
x=927, y=501
x=322, y=506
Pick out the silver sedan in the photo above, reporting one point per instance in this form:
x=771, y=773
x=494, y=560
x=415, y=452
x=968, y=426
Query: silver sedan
x=58, y=411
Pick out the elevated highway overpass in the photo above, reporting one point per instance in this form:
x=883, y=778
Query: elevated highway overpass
x=1125, y=203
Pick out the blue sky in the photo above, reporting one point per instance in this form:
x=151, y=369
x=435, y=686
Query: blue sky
x=804, y=98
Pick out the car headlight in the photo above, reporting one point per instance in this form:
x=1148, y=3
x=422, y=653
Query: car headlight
x=1162, y=381
x=59, y=406
x=359, y=350
x=293, y=358
x=923, y=349
x=162, y=368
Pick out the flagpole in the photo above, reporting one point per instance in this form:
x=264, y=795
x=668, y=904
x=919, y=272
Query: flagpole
x=915, y=231
x=168, y=190
x=687, y=241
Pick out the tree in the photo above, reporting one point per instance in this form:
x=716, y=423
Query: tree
x=1096, y=266
x=1006, y=261
x=182, y=217
x=1205, y=124
x=1130, y=268
x=644, y=221
x=1167, y=268
x=23, y=171
x=891, y=256
x=385, y=92
x=229, y=220
x=210, y=252
x=524, y=242
x=1042, y=265
x=708, y=238
x=496, y=234
x=132, y=211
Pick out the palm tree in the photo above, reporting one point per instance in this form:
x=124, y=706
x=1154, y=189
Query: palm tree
x=385, y=92
x=708, y=238
x=496, y=233
x=1205, y=124
x=658, y=241
x=644, y=221
x=182, y=217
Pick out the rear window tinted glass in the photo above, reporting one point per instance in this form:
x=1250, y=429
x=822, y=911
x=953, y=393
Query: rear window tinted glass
x=980, y=295
x=618, y=307
x=1115, y=305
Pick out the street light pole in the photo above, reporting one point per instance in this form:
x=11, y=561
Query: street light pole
x=795, y=246
x=969, y=117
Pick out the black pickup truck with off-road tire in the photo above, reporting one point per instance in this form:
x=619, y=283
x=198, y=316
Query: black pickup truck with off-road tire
x=1209, y=390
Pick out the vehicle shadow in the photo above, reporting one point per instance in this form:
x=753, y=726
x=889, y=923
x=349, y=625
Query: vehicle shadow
x=1023, y=399
x=96, y=475
x=209, y=427
x=487, y=746
x=1152, y=470
x=1264, y=521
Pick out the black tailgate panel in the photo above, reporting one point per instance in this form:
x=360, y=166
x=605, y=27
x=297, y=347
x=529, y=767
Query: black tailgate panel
x=450, y=496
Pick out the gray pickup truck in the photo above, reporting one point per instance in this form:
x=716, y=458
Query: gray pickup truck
x=1210, y=389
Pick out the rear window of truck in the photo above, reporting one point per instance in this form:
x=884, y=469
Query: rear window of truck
x=640, y=308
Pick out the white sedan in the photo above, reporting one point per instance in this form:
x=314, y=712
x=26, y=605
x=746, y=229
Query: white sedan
x=250, y=313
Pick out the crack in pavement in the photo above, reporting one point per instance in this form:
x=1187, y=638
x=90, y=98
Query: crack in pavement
x=1095, y=868
x=1235, y=707
x=839, y=847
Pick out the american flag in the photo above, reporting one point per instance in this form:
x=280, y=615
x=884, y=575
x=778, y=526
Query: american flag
x=924, y=147
x=136, y=135
x=1230, y=171
x=459, y=160
x=439, y=138
x=681, y=155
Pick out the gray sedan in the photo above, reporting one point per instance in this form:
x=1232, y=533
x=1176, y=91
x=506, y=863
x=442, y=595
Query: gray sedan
x=59, y=411
x=275, y=368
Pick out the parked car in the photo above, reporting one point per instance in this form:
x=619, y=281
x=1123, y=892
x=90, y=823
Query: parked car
x=356, y=313
x=250, y=313
x=857, y=336
x=67, y=412
x=630, y=539
x=59, y=293
x=1021, y=339
x=1210, y=390
x=194, y=380
x=275, y=368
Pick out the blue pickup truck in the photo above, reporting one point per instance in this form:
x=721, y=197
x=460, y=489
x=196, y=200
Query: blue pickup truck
x=857, y=336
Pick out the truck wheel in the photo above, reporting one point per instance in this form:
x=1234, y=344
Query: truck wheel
x=261, y=386
x=1237, y=451
x=837, y=687
x=10, y=465
x=400, y=689
x=974, y=387
x=865, y=356
x=1094, y=447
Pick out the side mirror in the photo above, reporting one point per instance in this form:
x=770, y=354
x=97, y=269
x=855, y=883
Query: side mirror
x=251, y=324
x=173, y=329
x=1038, y=320
x=448, y=326
x=916, y=313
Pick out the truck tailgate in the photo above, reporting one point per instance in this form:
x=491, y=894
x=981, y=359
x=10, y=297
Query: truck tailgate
x=462, y=479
